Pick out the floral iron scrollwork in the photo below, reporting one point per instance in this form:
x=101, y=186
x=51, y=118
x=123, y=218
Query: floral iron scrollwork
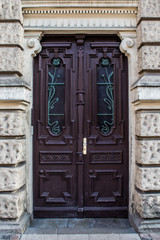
x=105, y=94
x=56, y=96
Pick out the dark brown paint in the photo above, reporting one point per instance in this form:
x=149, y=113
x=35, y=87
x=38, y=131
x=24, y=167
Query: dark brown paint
x=66, y=182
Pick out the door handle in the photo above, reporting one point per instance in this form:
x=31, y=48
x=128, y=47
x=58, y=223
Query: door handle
x=84, y=146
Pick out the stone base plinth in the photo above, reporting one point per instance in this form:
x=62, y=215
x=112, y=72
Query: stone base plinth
x=17, y=227
x=144, y=225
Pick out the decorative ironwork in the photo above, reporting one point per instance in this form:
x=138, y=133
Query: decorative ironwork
x=56, y=96
x=105, y=96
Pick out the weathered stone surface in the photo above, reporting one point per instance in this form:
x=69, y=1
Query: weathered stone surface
x=147, y=205
x=11, y=93
x=11, y=60
x=10, y=9
x=148, y=8
x=147, y=124
x=12, y=205
x=12, y=178
x=149, y=58
x=149, y=80
x=11, y=33
x=148, y=151
x=12, y=151
x=148, y=179
x=148, y=31
x=12, y=123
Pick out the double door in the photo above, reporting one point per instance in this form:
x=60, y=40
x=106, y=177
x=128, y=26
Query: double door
x=80, y=118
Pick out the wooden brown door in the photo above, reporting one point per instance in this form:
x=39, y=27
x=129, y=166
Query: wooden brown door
x=80, y=119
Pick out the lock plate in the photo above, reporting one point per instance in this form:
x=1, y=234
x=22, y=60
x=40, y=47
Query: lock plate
x=84, y=146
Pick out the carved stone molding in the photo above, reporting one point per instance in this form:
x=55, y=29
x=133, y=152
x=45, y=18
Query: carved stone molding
x=32, y=47
x=80, y=3
x=80, y=11
x=128, y=47
x=50, y=17
x=33, y=42
x=126, y=44
x=79, y=23
x=35, y=45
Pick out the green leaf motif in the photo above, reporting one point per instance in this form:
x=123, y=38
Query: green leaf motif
x=56, y=62
x=105, y=62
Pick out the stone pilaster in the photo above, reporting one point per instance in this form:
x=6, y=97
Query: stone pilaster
x=14, y=102
x=147, y=108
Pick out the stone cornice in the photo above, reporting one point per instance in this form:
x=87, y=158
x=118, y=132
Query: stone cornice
x=116, y=18
x=80, y=3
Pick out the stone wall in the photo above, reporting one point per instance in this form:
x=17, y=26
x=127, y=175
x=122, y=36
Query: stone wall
x=13, y=107
x=147, y=115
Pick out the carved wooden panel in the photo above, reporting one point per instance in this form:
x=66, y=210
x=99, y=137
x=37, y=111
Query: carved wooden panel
x=56, y=157
x=106, y=185
x=105, y=157
x=58, y=183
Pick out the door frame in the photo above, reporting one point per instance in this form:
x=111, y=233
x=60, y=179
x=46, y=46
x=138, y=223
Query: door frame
x=128, y=47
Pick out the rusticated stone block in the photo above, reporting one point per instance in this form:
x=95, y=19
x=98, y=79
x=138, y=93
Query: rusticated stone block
x=11, y=33
x=148, y=8
x=148, y=179
x=149, y=58
x=12, y=178
x=12, y=151
x=12, y=123
x=10, y=9
x=12, y=205
x=147, y=205
x=148, y=31
x=11, y=60
x=148, y=152
x=147, y=124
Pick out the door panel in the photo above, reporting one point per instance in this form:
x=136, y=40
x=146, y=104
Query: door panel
x=106, y=128
x=55, y=132
x=80, y=91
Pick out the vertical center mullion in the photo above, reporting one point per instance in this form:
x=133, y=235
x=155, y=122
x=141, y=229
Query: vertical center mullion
x=80, y=111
